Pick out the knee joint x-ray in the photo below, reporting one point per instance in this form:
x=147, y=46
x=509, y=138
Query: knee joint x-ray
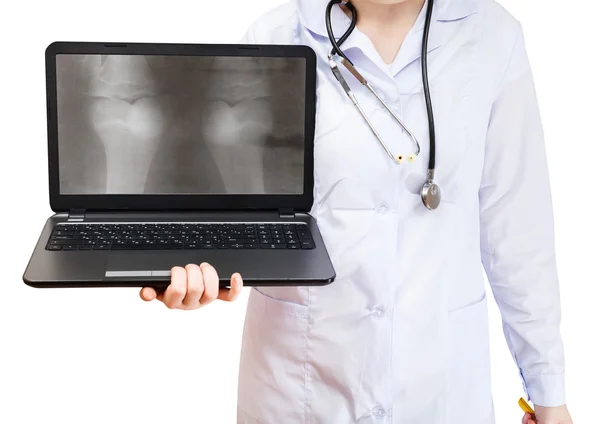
x=180, y=124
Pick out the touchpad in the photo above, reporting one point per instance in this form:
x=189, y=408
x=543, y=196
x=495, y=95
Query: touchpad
x=146, y=264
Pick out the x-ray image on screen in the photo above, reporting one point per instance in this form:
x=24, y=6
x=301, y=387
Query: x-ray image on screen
x=133, y=124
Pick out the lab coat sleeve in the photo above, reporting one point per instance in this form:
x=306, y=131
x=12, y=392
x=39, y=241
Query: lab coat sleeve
x=517, y=232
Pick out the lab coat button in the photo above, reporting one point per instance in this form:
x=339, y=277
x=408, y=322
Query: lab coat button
x=378, y=412
x=378, y=312
x=382, y=208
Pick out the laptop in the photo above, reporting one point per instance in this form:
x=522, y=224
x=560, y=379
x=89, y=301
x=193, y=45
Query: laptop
x=161, y=155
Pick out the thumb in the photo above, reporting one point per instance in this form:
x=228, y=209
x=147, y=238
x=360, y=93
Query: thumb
x=147, y=294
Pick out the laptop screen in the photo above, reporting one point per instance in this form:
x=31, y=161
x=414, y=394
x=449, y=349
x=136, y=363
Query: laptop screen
x=135, y=124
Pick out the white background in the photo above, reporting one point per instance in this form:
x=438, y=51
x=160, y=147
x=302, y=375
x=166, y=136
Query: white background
x=104, y=356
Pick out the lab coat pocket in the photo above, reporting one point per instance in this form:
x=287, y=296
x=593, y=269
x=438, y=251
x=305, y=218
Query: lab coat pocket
x=361, y=192
x=469, y=367
x=273, y=360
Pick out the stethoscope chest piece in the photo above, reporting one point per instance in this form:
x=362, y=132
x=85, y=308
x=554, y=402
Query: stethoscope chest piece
x=431, y=195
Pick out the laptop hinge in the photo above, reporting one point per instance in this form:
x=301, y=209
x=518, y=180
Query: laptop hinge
x=76, y=214
x=287, y=213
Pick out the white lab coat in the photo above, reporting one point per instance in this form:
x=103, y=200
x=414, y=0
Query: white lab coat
x=401, y=336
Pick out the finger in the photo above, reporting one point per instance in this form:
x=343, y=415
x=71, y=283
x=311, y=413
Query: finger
x=195, y=286
x=176, y=291
x=236, y=285
x=147, y=294
x=211, y=283
x=526, y=418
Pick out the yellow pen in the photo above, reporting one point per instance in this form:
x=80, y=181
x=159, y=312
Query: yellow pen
x=525, y=407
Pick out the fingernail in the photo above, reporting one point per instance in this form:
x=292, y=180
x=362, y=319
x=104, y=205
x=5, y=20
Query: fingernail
x=238, y=281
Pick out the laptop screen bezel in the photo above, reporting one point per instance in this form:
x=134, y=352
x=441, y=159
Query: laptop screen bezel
x=62, y=202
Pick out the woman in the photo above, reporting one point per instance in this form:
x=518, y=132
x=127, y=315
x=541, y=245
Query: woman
x=401, y=336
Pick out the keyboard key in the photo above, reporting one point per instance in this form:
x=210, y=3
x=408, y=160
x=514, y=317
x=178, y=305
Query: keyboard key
x=244, y=246
x=272, y=246
x=101, y=247
x=59, y=242
x=55, y=247
x=306, y=245
x=63, y=233
x=293, y=246
x=243, y=236
x=241, y=241
x=191, y=246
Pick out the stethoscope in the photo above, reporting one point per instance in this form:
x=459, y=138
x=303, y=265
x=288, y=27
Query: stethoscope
x=430, y=192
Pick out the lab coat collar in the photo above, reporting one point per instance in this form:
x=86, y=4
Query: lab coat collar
x=312, y=14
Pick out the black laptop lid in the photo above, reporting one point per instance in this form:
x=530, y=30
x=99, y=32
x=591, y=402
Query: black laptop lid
x=180, y=127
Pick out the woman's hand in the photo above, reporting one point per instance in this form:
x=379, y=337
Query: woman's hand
x=193, y=287
x=549, y=415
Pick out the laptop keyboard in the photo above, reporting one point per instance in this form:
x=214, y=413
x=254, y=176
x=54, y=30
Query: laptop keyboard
x=190, y=236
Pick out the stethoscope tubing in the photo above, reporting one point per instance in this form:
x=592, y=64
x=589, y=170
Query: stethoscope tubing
x=430, y=193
